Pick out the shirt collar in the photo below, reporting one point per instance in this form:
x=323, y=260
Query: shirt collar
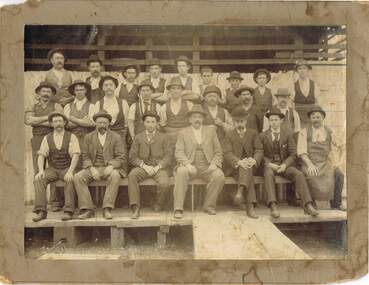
x=59, y=134
x=196, y=130
x=80, y=101
x=275, y=131
x=100, y=135
x=147, y=133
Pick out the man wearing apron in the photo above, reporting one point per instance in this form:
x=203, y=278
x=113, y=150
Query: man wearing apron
x=157, y=81
x=314, y=148
x=95, y=65
x=263, y=97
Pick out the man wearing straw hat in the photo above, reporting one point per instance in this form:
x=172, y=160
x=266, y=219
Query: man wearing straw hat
x=95, y=66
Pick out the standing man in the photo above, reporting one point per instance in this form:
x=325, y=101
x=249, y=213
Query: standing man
x=217, y=116
x=144, y=104
x=62, y=151
x=314, y=148
x=151, y=155
x=157, y=81
x=246, y=100
x=95, y=66
x=128, y=90
x=198, y=154
x=103, y=158
x=279, y=158
x=234, y=80
x=243, y=154
x=263, y=97
x=206, y=74
x=59, y=77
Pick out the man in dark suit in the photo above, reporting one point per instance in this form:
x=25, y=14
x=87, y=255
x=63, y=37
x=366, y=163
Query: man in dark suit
x=279, y=157
x=243, y=153
x=150, y=155
x=103, y=158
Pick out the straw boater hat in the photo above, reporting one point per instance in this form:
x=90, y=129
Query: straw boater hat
x=239, y=113
x=196, y=109
x=154, y=61
x=108, y=77
x=45, y=84
x=235, y=75
x=93, y=58
x=134, y=66
x=175, y=81
x=274, y=111
x=184, y=58
x=302, y=62
x=262, y=71
x=53, y=51
x=283, y=92
x=57, y=114
x=316, y=108
x=80, y=82
x=212, y=89
x=102, y=114
x=146, y=83
x=243, y=88
x=150, y=114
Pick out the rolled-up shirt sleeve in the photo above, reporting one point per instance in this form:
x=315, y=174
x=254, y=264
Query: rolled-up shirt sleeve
x=302, y=143
x=44, y=148
x=74, y=147
x=132, y=112
x=125, y=107
x=163, y=115
x=297, y=121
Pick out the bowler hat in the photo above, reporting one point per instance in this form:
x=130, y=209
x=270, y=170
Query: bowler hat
x=134, y=66
x=262, y=71
x=283, y=92
x=108, y=77
x=175, y=81
x=53, y=51
x=196, y=109
x=184, y=58
x=274, y=111
x=154, y=61
x=239, y=112
x=146, y=83
x=235, y=75
x=302, y=62
x=316, y=108
x=45, y=84
x=212, y=89
x=150, y=114
x=57, y=114
x=243, y=88
x=93, y=58
x=80, y=82
x=102, y=114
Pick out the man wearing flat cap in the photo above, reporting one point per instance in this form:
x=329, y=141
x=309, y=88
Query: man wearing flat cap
x=61, y=149
x=243, y=154
x=157, y=81
x=151, y=156
x=60, y=78
x=95, y=67
x=279, y=159
x=103, y=158
x=316, y=147
x=263, y=97
x=234, y=79
x=144, y=104
x=246, y=100
x=217, y=116
x=128, y=90
x=198, y=154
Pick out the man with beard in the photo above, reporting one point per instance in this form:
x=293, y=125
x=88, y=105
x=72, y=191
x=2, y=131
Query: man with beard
x=157, y=81
x=246, y=100
x=279, y=158
x=263, y=97
x=62, y=151
x=243, y=154
x=59, y=77
x=143, y=105
x=103, y=158
x=95, y=65
x=314, y=148
x=231, y=101
x=151, y=155
x=128, y=90
x=198, y=154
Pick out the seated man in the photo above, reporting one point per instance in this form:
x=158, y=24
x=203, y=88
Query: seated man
x=150, y=155
x=62, y=151
x=314, y=147
x=243, y=153
x=103, y=158
x=198, y=154
x=279, y=157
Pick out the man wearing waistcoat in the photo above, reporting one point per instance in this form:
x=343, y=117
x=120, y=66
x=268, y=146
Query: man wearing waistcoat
x=157, y=81
x=59, y=77
x=95, y=66
x=232, y=101
x=198, y=154
x=62, y=151
x=128, y=90
x=151, y=155
x=103, y=158
x=279, y=158
x=144, y=104
x=263, y=97
x=243, y=154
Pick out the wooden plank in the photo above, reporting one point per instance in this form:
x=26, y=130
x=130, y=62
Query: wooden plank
x=77, y=256
x=196, y=53
x=101, y=40
x=72, y=235
x=241, y=238
x=117, y=239
x=162, y=236
x=309, y=54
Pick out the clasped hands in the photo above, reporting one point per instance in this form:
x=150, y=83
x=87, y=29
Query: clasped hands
x=150, y=170
x=247, y=162
x=278, y=168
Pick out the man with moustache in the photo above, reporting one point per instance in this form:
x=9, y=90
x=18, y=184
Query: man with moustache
x=95, y=66
x=61, y=149
x=143, y=105
x=157, y=81
x=151, y=156
x=246, y=101
x=103, y=158
x=128, y=90
x=243, y=154
x=198, y=154
x=231, y=101
x=263, y=97
x=59, y=77
x=279, y=158
x=206, y=74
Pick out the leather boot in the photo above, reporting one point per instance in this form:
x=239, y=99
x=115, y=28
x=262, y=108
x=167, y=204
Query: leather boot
x=40, y=215
x=86, y=214
x=274, y=210
x=310, y=210
x=250, y=211
x=135, y=212
x=107, y=214
x=178, y=214
x=238, y=198
x=67, y=216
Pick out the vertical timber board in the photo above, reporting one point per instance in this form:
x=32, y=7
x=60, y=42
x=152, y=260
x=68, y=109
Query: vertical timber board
x=72, y=235
x=162, y=236
x=196, y=53
x=299, y=42
x=148, y=52
x=101, y=39
x=117, y=237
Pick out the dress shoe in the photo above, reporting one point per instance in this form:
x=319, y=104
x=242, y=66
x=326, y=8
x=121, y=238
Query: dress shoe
x=310, y=210
x=210, y=211
x=56, y=209
x=40, y=215
x=340, y=208
x=67, y=216
x=178, y=214
x=157, y=208
x=243, y=207
x=135, y=212
x=274, y=210
x=86, y=214
x=238, y=198
x=251, y=212
x=107, y=214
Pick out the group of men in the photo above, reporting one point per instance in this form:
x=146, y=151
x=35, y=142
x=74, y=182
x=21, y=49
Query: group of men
x=98, y=129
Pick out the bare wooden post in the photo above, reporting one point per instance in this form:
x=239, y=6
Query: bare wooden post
x=299, y=42
x=148, y=53
x=101, y=40
x=196, y=53
x=72, y=235
x=162, y=236
x=117, y=237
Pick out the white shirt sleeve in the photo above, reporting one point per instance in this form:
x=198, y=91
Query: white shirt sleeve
x=44, y=148
x=67, y=110
x=91, y=111
x=125, y=107
x=163, y=114
x=266, y=124
x=302, y=143
x=297, y=121
x=132, y=112
x=74, y=146
x=189, y=105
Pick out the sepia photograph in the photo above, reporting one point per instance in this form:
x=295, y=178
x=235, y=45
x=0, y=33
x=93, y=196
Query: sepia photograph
x=202, y=142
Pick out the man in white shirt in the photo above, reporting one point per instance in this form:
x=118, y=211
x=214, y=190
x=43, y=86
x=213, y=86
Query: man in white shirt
x=157, y=81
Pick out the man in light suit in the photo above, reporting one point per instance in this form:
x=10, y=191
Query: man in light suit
x=198, y=154
x=103, y=158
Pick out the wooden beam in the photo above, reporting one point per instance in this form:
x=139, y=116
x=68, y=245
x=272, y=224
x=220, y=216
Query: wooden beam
x=148, y=53
x=101, y=40
x=117, y=237
x=196, y=53
x=162, y=236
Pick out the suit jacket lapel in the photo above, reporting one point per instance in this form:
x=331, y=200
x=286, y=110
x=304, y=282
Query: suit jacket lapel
x=107, y=140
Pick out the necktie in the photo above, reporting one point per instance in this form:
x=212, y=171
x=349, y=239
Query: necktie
x=276, y=136
x=150, y=136
x=287, y=117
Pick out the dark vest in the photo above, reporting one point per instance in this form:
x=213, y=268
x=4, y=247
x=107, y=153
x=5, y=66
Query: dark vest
x=276, y=150
x=119, y=123
x=180, y=120
x=59, y=158
x=80, y=130
x=265, y=101
x=139, y=126
x=210, y=121
x=131, y=96
x=40, y=112
x=96, y=94
x=99, y=159
x=161, y=86
x=188, y=85
x=300, y=97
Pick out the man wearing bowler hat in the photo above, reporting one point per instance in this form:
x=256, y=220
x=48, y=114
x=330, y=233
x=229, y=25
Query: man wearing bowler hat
x=151, y=156
x=60, y=78
x=128, y=90
x=279, y=159
x=103, y=158
x=234, y=80
x=198, y=154
x=61, y=149
x=243, y=154
x=157, y=81
x=263, y=97
x=95, y=66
